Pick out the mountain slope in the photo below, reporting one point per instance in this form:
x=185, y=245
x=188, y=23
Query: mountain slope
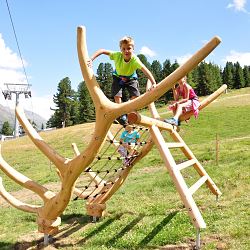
x=7, y=114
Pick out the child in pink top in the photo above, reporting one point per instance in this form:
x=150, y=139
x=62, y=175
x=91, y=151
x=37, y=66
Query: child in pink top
x=185, y=100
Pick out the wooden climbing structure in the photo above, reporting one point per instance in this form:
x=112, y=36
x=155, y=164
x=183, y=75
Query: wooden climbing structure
x=100, y=184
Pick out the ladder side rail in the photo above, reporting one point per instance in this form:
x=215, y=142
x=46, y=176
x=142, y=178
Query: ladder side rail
x=198, y=167
x=179, y=182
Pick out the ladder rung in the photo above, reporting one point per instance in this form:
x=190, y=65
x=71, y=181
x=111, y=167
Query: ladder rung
x=198, y=184
x=186, y=164
x=174, y=144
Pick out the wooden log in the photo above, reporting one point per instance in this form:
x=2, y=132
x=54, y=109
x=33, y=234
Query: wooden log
x=205, y=102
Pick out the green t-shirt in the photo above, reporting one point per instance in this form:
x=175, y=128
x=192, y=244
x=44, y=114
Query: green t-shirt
x=125, y=68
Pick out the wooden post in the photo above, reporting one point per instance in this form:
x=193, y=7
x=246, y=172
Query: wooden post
x=217, y=147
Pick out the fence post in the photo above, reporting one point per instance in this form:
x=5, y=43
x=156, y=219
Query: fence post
x=217, y=149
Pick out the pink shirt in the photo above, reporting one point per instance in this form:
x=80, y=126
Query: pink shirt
x=193, y=97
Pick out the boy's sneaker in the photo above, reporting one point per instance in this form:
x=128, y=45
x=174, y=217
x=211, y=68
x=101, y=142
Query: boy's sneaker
x=172, y=121
x=123, y=120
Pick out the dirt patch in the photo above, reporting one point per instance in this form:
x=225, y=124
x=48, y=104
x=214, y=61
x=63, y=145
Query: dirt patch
x=26, y=195
x=177, y=247
x=152, y=169
x=219, y=242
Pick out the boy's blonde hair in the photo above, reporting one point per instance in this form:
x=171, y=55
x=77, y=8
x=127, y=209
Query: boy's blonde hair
x=127, y=40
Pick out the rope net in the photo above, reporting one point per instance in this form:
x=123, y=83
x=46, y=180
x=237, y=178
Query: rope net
x=112, y=160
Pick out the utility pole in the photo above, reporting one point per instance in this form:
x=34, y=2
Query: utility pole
x=17, y=89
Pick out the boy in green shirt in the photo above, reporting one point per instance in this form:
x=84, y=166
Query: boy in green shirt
x=124, y=75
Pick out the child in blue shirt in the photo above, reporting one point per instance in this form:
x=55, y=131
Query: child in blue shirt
x=128, y=140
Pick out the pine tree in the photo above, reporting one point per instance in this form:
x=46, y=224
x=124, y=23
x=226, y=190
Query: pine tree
x=202, y=79
x=6, y=129
x=63, y=100
x=228, y=75
x=167, y=70
x=86, y=105
x=141, y=77
x=156, y=70
x=246, y=74
x=239, y=81
x=74, y=110
x=105, y=78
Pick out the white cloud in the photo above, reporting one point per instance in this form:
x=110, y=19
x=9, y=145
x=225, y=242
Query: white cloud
x=147, y=51
x=11, y=71
x=11, y=76
x=8, y=58
x=40, y=105
x=10, y=65
x=182, y=59
x=238, y=5
x=242, y=58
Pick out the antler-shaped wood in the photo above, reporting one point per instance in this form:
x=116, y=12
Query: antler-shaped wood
x=70, y=169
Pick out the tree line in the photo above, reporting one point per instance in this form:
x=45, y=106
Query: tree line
x=76, y=107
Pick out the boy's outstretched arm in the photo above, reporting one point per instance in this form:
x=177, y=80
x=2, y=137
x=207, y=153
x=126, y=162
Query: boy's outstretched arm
x=150, y=76
x=96, y=54
x=100, y=52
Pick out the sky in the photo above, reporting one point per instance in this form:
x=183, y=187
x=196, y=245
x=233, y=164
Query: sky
x=162, y=29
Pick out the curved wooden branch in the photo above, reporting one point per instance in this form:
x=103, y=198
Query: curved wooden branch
x=16, y=203
x=93, y=176
x=51, y=154
x=152, y=108
x=112, y=110
x=24, y=181
x=107, y=111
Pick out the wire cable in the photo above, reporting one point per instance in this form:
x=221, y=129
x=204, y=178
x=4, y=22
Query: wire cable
x=18, y=47
x=19, y=51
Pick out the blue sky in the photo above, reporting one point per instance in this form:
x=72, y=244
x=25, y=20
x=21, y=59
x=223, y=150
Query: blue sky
x=162, y=29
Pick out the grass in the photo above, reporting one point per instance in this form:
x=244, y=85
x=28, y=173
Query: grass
x=146, y=212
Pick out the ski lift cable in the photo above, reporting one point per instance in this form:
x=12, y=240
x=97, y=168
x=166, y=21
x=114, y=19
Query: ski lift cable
x=18, y=47
x=20, y=54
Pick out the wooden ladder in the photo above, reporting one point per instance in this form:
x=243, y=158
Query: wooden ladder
x=186, y=193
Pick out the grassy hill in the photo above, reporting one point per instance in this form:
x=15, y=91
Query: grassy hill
x=146, y=213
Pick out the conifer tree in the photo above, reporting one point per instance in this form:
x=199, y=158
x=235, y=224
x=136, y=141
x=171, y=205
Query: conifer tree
x=6, y=129
x=239, y=81
x=246, y=74
x=63, y=102
x=104, y=78
x=228, y=75
x=86, y=106
x=141, y=77
x=156, y=70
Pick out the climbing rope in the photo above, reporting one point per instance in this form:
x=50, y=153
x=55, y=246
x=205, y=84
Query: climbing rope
x=109, y=164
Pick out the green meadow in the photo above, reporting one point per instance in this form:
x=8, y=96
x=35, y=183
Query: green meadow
x=146, y=212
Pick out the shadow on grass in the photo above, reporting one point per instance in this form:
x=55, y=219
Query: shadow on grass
x=74, y=222
x=100, y=228
x=157, y=229
x=126, y=229
x=97, y=230
x=4, y=245
x=77, y=221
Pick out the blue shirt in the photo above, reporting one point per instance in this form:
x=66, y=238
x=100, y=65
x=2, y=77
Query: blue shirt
x=130, y=137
